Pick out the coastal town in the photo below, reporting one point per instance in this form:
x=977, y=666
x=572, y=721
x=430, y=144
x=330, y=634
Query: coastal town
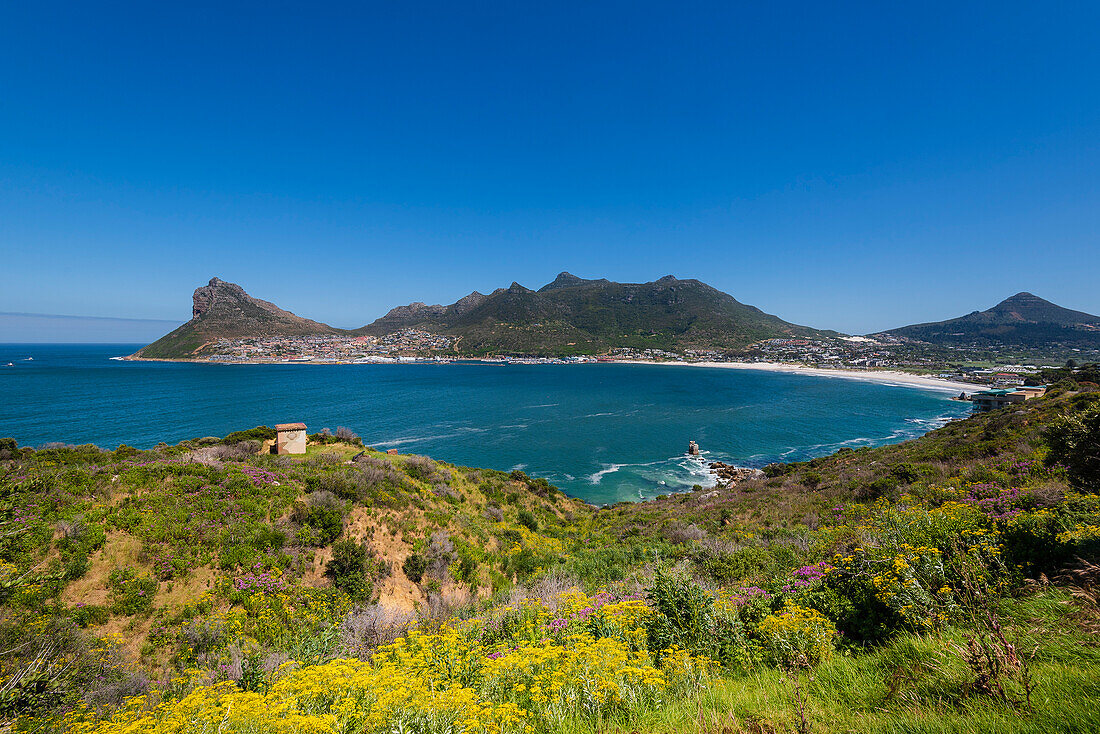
x=400, y=346
x=847, y=353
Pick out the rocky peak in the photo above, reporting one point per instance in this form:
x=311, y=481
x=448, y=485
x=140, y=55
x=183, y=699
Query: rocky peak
x=206, y=296
x=468, y=303
x=416, y=309
x=568, y=280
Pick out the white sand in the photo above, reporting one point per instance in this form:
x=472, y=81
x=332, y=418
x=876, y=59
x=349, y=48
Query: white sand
x=904, y=379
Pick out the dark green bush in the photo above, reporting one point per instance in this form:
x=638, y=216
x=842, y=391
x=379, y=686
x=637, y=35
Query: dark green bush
x=527, y=520
x=352, y=569
x=323, y=512
x=414, y=567
x=852, y=604
x=907, y=473
x=1074, y=442
x=684, y=616
x=259, y=433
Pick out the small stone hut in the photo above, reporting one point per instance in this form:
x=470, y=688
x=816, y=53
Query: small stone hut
x=290, y=438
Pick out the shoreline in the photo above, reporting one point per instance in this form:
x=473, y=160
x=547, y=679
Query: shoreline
x=893, y=377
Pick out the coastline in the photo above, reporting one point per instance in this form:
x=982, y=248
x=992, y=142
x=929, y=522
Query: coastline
x=892, y=377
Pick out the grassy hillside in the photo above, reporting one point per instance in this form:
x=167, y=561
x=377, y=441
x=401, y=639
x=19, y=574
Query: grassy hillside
x=943, y=584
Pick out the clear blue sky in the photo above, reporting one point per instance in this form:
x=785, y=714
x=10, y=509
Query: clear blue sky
x=855, y=166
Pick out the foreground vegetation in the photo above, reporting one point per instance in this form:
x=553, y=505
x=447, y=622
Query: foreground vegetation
x=944, y=584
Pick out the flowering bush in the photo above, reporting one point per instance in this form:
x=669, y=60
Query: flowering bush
x=797, y=637
x=448, y=680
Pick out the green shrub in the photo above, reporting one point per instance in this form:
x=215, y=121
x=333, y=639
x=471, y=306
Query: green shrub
x=684, y=616
x=907, y=473
x=741, y=564
x=1074, y=443
x=89, y=614
x=352, y=569
x=324, y=513
x=9, y=449
x=130, y=593
x=527, y=520
x=414, y=567
x=465, y=569
x=259, y=433
x=234, y=556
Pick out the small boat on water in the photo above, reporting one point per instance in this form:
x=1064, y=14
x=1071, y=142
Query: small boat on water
x=29, y=359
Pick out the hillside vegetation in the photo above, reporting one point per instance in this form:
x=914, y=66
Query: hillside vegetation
x=943, y=584
x=572, y=315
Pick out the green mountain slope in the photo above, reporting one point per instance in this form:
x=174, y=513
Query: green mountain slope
x=1024, y=319
x=574, y=315
x=225, y=311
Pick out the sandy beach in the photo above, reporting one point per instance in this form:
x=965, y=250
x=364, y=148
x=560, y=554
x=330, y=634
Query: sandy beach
x=891, y=377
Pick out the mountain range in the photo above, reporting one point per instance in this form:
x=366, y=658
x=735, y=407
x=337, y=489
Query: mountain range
x=573, y=315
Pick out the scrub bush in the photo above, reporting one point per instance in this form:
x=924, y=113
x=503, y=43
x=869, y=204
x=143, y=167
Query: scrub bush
x=130, y=593
x=796, y=637
x=414, y=567
x=323, y=512
x=353, y=569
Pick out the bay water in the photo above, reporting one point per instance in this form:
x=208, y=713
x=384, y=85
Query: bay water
x=601, y=432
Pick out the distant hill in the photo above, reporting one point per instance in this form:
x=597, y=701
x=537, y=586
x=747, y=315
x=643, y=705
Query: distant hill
x=575, y=315
x=224, y=311
x=1024, y=319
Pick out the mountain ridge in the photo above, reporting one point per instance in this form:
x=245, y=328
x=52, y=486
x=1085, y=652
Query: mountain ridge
x=577, y=315
x=1023, y=318
x=574, y=315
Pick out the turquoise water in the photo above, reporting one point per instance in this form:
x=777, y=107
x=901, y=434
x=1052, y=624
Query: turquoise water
x=602, y=432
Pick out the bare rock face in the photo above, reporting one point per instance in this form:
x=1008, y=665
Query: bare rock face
x=415, y=310
x=225, y=309
x=729, y=475
x=467, y=303
x=206, y=295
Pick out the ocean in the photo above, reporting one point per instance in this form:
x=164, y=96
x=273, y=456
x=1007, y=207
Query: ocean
x=602, y=432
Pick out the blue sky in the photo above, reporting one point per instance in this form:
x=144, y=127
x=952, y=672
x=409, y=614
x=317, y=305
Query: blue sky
x=855, y=166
